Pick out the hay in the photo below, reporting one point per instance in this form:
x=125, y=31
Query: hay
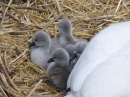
x=20, y=21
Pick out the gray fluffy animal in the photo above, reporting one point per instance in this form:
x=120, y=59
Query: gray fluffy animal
x=59, y=70
x=40, y=49
x=66, y=37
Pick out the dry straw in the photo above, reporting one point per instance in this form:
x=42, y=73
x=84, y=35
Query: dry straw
x=20, y=20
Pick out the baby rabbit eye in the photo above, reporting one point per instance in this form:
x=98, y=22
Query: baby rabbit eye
x=35, y=39
x=79, y=52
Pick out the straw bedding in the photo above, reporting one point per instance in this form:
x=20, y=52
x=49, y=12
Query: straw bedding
x=20, y=20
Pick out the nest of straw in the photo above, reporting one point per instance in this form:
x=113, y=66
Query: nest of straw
x=20, y=20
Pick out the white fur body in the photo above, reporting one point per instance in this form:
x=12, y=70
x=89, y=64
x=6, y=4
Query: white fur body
x=40, y=56
x=103, y=70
